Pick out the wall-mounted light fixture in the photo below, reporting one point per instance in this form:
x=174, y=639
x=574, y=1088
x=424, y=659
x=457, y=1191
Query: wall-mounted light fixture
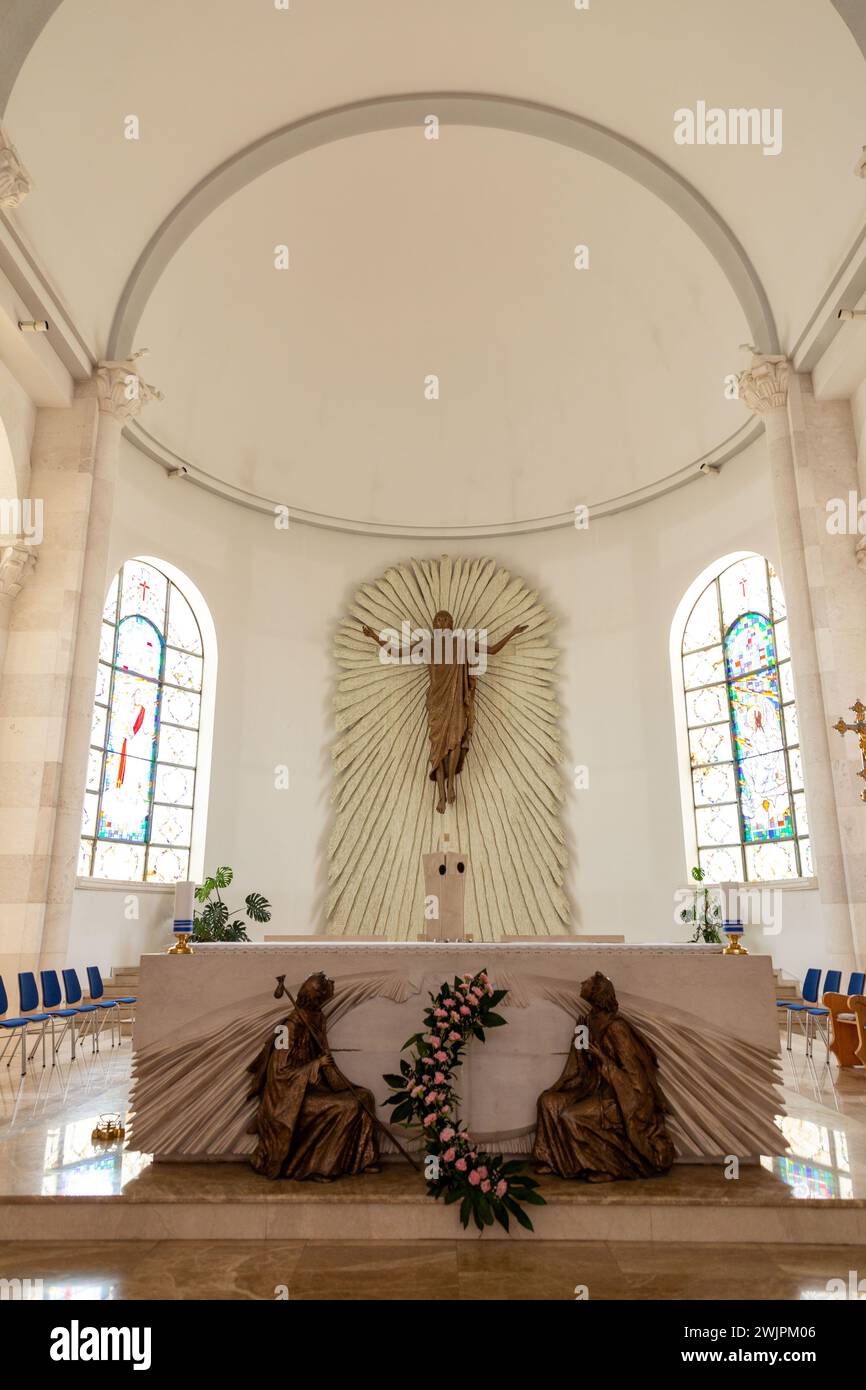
x=33, y=325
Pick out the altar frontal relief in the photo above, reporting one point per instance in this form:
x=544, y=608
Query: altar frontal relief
x=447, y=724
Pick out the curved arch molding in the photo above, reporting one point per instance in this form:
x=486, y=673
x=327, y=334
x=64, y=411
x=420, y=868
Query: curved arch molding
x=452, y=108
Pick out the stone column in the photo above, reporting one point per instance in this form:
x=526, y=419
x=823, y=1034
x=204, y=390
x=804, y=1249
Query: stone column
x=16, y=563
x=825, y=458
x=35, y=686
x=764, y=389
x=53, y=626
x=120, y=394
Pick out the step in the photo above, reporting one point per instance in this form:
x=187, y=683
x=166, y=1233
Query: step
x=227, y=1201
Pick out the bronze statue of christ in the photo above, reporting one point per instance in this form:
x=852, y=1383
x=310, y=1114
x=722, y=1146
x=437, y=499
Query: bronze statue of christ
x=450, y=704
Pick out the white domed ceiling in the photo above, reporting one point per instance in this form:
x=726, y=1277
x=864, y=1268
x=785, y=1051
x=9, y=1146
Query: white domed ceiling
x=452, y=258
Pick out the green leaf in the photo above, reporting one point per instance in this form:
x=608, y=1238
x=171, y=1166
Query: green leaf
x=494, y=1021
x=501, y=1214
x=518, y=1213
x=397, y=1082
x=465, y=1210
x=224, y=876
x=497, y=997
x=453, y=1194
x=258, y=907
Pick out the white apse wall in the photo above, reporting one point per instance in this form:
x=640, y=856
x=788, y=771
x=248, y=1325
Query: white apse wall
x=275, y=597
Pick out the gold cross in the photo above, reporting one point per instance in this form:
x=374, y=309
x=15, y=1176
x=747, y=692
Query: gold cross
x=859, y=728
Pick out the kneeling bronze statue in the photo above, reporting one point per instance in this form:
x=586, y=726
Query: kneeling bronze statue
x=311, y=1122
x=604, y=1118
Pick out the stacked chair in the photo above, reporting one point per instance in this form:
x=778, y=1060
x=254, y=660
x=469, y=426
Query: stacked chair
x=73, y=1015
x=831, y=1018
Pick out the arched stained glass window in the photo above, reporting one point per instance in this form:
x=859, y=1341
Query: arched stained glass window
x=743, y=738
x=141, y=782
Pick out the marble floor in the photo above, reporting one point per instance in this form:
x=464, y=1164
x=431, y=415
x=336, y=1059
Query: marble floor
x=46, y=1151
x=435, y=1269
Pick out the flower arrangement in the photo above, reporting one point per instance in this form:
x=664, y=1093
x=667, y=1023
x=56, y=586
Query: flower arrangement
x=487, y=1187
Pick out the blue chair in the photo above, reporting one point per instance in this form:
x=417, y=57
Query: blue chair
x=28, y=1005
x=51, y=1002
x=15, y=1031
x=856, y=982
x=73, y=996
x=816, y=1017
x=811, y=982
x=97, y=990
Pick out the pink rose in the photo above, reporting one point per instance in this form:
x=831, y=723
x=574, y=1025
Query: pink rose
x=461, y=1164
x=429, y=1120
x=464, y=1010
x=440, y=1013
x=482, y=1172
x=501, y=1187
x=474, y=1178
x=439, y=1078
x=434, y=1042
x=431, y=1098
x=455, y=1017
x=485, y=1186
x=454, y=1037
x=446, y=1134
x=440, y=1056
x=449, y=1155
x=449, y=1003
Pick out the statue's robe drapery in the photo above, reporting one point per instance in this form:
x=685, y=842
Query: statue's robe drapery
x=604, y=1117
x=308, y=1123
x=450, y=712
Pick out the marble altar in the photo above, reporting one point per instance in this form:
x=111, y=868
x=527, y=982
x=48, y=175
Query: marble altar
x=202, y=1018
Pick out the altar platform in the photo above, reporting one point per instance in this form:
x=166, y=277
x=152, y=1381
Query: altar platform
x=57, y=1187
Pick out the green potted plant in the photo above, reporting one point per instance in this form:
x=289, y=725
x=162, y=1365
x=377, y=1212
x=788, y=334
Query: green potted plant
x=215, y=922
x=705, y=914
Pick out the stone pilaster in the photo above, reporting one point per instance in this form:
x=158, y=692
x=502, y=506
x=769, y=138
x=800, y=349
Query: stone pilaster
x=34, y=692
x=15, y=182
x=764, y=387
x=16, y=562
x=120, y=394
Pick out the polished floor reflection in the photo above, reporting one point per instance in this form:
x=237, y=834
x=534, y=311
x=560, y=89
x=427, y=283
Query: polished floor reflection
x=47, y=1150
x=441, y=1270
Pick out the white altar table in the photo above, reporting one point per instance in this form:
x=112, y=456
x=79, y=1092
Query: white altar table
x=201, y=1019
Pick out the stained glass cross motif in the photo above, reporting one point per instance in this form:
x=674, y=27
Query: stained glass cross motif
x=742, y=728
x=138, y=812
x=858, y=727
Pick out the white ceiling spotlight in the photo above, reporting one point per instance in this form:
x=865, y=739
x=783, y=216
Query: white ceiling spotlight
x=33, y=325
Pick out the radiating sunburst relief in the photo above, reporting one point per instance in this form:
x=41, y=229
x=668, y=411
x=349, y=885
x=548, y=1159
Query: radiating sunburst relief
x=506, y=815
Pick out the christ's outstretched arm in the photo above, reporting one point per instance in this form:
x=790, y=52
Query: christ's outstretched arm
x=503, y=641
x=368, y=632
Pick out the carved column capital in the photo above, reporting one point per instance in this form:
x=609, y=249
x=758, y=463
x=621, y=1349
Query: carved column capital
x=763, y=385
x=15, y=182
x=17, y=562
x=119, y=389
